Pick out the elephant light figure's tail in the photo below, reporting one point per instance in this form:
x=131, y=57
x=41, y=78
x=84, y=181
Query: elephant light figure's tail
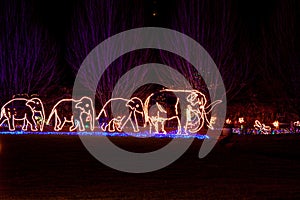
x=146, y=111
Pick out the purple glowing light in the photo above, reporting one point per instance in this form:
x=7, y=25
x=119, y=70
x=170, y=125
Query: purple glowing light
x=172, y=134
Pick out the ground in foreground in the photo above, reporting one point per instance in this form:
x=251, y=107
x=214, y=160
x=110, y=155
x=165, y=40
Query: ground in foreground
x=59, y=167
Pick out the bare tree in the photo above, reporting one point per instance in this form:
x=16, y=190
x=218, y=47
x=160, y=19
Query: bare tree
x=278, y=58
x=95, y=21
x=27, y=55
x=213, y=26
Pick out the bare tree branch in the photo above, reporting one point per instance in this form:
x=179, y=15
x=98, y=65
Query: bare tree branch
x=27, y=56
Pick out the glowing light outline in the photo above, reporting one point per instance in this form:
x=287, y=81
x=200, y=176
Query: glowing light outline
x=74, y=125
x=296, y=123
x=276, y=124
x=228, y=121
x=194, y=94
x=113, y=120
x=33, y=127
x=154, y=121
x=262, y=127
x=241, y=120
x=104, y=134
x=194, y=97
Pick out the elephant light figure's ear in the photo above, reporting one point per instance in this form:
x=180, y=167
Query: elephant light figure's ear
x=130, y=104
x=31, y=104
x=79, y=105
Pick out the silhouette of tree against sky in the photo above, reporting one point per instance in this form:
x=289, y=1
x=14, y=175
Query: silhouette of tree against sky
x=93, y=22
x=213, y=25
x=255, y=44
x=27, y=55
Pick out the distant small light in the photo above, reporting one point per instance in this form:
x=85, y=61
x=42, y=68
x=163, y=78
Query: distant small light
x=241, y=120
x=154, y=14
x=276, y=124
x=228, y=121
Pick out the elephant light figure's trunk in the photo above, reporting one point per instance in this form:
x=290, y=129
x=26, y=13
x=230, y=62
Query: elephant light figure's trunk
x=43, y=118
x=210, y=107
x=92, y=119
x=146, y=111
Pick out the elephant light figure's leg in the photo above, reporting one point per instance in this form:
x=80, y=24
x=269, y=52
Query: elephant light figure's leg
x=25, y=124
x=189, y=112
x=81, y=124
x=111, y=126
x=73, y=127
x=197, y=123
x=207, y=121
x=11, y=123
x=163, y=126
x=150, y=126
x=74, y=124
x=135, y=129
x=135, y=125
x=118, y=126
x=61, y=124
x=92, y=123
x=153, y=122
x=118, y=123
x=31, y=121
x=103, y=126
x=179, y=131
x=3, y=119
x=155, y=127
x=57, y=122
x=179, y=128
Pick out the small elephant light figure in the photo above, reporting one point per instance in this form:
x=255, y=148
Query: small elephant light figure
x=83, y=112
x=111, y=123
x=115, y=124
x=26, y=110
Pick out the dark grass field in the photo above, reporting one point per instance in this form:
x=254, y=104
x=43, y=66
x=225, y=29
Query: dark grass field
x=59, y=167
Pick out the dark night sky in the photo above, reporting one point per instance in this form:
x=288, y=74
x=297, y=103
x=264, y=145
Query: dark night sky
x=57, y=15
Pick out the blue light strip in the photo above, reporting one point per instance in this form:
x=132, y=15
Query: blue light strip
x=171, y=134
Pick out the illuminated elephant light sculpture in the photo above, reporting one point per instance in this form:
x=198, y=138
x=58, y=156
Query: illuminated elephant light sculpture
x=199, y=109
x=159, y=117
x=112, y=123
x=196, y=111
x=83, y=112
x=21, y=109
